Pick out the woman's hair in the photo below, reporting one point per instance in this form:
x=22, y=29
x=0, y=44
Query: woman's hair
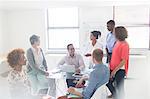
x=121, y=33
x=34, y=38
x=96, y=34
x=97, y=55
x=14, y=57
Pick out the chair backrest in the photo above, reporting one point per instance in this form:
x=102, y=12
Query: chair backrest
x=100, y=93
x=4, y=68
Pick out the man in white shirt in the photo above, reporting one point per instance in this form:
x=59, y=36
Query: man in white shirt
x=110, y=39
x=75, y=59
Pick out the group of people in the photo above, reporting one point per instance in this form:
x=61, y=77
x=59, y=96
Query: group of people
x=26, y=83
x=30, y=80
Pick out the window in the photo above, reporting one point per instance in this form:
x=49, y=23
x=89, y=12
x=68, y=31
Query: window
x=63, y=28
x=138, y=37
x=136, y=20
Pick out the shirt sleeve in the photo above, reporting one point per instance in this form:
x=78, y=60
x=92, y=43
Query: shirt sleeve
x=113, y=40
x=91, y=87
x=62, y=61
x=125, y=52
x=81, y=63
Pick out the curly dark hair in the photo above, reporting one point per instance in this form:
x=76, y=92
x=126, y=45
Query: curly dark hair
x=14, y=57
x=121, y=33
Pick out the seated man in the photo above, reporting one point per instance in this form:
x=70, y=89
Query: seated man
x=75, y=59
x=98, y=77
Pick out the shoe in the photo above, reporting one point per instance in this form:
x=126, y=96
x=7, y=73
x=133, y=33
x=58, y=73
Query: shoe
x=110, y=96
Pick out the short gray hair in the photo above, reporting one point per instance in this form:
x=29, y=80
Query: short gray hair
x=34, y=38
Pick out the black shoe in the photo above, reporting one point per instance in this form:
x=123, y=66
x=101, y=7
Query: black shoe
x=110, y=96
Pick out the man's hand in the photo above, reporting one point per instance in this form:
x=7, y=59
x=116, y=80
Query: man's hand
x=71, y=90
x=80, y=83
x=47, y=73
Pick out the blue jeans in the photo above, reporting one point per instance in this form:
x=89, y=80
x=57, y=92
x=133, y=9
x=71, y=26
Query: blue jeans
x=70, y=83
x=116, y=85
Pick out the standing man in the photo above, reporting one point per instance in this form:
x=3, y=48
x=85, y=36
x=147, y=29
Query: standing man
x=75, y=59
x=110, y=39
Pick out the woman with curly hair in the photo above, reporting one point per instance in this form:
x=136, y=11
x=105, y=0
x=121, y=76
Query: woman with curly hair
x=19, y=84
x=119, y=63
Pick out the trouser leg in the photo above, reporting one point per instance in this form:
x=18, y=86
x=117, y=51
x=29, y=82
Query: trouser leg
x=70, y=83
x=111, y=87
x=34, y=83
x=119, y=83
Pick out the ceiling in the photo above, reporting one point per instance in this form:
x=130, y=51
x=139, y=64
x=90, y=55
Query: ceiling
x=38, y=4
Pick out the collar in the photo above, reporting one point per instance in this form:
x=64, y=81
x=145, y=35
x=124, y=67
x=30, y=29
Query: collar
x=33, y=49
x=97, y=65
x=70, y=56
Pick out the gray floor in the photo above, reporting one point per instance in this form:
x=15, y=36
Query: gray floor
x=137, y=83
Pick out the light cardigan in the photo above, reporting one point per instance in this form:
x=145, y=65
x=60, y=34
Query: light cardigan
x=31, y=67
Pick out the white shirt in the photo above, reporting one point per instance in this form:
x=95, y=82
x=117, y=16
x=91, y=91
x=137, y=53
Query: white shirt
x=76, y=60
x=110, y=41
x=89, y=48
x=38, y=57
x=19, y=84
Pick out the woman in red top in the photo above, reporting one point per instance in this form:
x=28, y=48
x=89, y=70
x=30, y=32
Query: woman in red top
x=119, y=64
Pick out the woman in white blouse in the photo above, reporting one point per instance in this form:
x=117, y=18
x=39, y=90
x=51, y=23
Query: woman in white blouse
x=91, y=46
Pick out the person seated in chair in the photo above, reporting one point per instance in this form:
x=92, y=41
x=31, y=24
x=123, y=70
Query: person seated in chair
x=75, y=59
x=37, y=69
x=17, y=78
x=98, y=77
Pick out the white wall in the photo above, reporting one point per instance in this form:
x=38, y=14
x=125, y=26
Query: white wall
x=1, y=31
x=17, y=25
x=91, y=18
x=20, y=25
x=1, y=41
